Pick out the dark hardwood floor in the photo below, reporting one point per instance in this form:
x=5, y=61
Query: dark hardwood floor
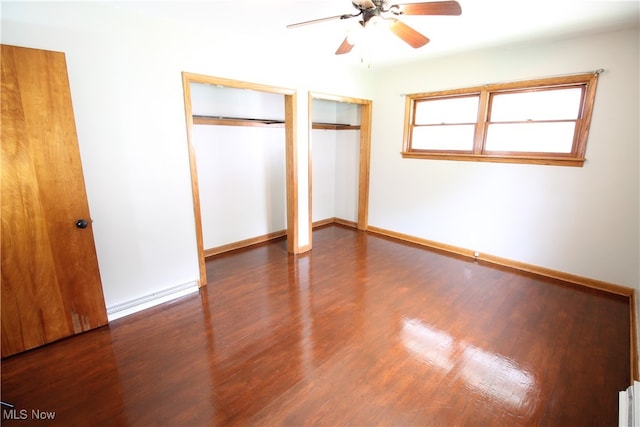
x=362, y=331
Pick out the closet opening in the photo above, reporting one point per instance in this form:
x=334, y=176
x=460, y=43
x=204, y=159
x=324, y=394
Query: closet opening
x=242, y=153
x=340, y=141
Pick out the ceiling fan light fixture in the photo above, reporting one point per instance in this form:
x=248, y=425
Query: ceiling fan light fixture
x=376, y=21
x=355, y=35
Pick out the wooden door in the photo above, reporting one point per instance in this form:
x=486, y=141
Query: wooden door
x=51, y=285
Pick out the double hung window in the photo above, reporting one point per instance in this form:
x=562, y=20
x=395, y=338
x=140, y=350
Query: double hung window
x=537, y=121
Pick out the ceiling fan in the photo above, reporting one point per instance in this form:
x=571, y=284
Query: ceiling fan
x=380, y=10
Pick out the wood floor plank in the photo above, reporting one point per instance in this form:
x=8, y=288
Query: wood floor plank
x=363, y=330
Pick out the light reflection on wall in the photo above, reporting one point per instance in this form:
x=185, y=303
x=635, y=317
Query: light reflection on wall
x=493, y=375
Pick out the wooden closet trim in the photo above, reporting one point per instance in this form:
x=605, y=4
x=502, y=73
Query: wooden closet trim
x=365, y=152
x=291, y=157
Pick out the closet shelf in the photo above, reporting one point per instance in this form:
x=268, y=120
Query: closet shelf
x=240, y=121
x=335, y=126
x=235, y=121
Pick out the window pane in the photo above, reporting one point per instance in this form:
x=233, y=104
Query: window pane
x=556, y=104
x=531, y=137
x=447, y=110
x=443, y=138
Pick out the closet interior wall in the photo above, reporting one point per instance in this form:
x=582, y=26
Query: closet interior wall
x=335, y=148
x=239, y=142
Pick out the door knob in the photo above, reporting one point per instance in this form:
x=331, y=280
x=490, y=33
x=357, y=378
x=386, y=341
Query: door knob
x=82, y=223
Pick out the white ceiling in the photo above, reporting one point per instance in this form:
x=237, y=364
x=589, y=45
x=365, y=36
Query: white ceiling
x=483, y=23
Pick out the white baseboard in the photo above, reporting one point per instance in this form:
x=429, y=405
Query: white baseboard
x=138, y=304
x=629, y=403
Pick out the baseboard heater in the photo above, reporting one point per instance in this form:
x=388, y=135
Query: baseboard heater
x=147, y=301
x=629, y=405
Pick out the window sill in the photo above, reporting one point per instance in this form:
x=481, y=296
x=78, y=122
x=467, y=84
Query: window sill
x=555, y=161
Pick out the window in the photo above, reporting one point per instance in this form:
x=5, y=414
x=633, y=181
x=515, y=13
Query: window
x=445, y=124
x=542, y=121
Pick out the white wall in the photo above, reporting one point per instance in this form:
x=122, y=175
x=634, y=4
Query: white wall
x=347, y=177
x=241, y=178
x=323, y=174
x=347, y=162
x=583, y=221
x=125, y=77
x=221, y=101
x=335, y=161
x=241, y=170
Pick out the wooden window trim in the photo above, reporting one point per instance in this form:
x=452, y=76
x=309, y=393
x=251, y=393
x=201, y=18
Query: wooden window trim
x=575, y=158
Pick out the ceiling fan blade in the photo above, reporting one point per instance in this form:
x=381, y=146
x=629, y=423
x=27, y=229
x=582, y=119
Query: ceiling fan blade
x=345, y=47
x=315, y=21
x=431, y=8
x=364, y=4
x=408, y=34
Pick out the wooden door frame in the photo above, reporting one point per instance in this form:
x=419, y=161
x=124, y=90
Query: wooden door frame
x=365, y=153
x=291, y=161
